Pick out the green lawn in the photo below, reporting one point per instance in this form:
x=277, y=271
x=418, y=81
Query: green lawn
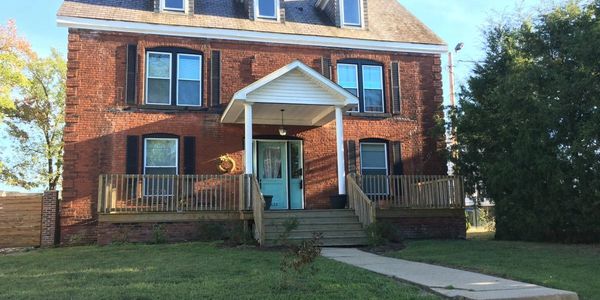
x=570, y=267
x=181, y=271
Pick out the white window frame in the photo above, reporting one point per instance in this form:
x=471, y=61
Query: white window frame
x=163, y=6
x=176, y=166
x=360, y=15
x=199, y=80
x=382, y=89
x=148, y=77
x=355, y=66
x=387, y=167
x=259, y=16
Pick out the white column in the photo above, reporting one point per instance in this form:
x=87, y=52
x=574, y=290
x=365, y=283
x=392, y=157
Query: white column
x=249, y=157
x=339, y=140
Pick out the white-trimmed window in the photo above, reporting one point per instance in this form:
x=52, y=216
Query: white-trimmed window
x=173, y=5
x=363, y=79
x=189, y=79
x=351, y=12
x=374, y=161
x=372, y=88
x=158, y=78
x=161, y=157
x=173, y=77
x=267, y=9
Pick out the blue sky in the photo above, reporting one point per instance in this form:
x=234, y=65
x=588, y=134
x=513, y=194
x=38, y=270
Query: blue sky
x=453, y=20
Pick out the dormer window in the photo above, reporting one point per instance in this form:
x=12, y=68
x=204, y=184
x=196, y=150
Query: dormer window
x=351, y=12
x=173, y=5
x=267, y=9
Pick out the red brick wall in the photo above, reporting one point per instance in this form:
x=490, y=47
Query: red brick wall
x=98, y=120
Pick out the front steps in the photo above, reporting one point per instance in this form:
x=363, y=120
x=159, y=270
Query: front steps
x=339, y=227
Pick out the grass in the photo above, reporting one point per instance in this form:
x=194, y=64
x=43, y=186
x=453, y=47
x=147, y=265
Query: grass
x=568, y=267
x=182, y=271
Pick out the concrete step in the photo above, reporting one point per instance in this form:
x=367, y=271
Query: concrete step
x=328, y=242
x=317, y=227
x=326, y=213
x=313, y=221
x=326, y=234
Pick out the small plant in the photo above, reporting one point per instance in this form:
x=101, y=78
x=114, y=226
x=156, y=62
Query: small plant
x=159, y=234
x=122, y=236
x=212, y=231
x=381, y=233
x=240, y=236
x=288, y=226
x=299, y=259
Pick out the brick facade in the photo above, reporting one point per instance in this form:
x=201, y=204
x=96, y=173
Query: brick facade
x=427, y=223
x=98, y=120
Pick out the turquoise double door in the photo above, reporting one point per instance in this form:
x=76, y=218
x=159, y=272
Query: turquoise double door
x=279, y=166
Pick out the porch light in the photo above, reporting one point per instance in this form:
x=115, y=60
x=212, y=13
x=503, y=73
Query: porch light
x=282, y=131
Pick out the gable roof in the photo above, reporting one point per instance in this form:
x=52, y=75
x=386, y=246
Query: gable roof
x=309, y=97
x=388, y=20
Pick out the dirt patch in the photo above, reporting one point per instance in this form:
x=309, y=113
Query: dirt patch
x=383, y=249
x=9, y=251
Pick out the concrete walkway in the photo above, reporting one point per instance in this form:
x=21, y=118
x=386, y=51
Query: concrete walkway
x=447, y=282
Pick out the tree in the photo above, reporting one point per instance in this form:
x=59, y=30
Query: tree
x=528, y=125
x=32, y=97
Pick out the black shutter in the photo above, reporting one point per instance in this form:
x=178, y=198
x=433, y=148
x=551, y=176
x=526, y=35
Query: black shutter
x=130, y=79
x=351, y=149
x=397, y=167
x=396, y=93
x=189, y=155
x=326, y=67
x=132, y=155
x=215, y=77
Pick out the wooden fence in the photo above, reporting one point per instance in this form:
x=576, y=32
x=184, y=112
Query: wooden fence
x=414, y=191
x=363, y=207
x=20, y=221
x=170, y=193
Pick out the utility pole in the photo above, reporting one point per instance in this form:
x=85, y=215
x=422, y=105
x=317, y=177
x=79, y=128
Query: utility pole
x=451, y=78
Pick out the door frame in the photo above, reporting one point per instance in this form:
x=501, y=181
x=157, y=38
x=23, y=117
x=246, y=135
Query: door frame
x=287, y=141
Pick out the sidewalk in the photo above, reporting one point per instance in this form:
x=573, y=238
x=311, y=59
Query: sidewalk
x=446, y=281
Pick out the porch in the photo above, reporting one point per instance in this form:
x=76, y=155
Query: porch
x=215, y=198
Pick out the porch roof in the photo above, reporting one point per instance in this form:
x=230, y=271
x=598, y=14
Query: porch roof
x=308, y=98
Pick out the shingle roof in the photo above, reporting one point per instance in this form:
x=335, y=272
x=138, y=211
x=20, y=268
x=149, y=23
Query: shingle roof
x=387, y=19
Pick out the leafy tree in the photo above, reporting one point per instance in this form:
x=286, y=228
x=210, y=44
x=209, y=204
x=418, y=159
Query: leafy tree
x=32, y=97
x=528, y=125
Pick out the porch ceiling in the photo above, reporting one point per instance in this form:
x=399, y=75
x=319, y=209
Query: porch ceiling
x=308, y=98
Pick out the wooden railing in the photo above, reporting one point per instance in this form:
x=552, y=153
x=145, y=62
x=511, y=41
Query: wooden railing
x=170, y=193
x=363, y=207
x=258, y=208
x=414, y=191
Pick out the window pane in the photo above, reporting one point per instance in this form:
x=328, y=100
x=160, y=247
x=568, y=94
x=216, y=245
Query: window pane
x=373, y=156
x=174, y=4
x=161, y=153
x=272, y=162
x=159, y=186
x=353, y=91
x=352, y=12
x=158, y=91
x=266, y=8
x=373, y=100
x=159, y=65
x=372, y=77
x=189, y=67
x=347, y=76
x=189, y=92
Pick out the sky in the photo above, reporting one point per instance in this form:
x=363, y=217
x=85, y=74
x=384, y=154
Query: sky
x=453, y=20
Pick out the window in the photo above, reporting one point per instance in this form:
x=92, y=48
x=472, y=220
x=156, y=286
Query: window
x=177, y=5
x=373, y=161
x=372, y=88
x=158, y=80
x=351, y=12
x=369, y=89
x=267, y=8
x=189, y=86
x=173, y=78
x=161, y=157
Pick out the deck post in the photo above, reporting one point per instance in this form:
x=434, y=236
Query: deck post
x=339, y=139
x=248, y=155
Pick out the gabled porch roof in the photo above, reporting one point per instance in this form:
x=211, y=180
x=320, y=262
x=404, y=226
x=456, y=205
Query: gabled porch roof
x=308, y=98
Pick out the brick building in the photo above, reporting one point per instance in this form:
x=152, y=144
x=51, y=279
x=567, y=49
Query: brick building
x=168, y=90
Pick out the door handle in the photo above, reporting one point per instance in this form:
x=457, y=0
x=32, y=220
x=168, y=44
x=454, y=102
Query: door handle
x=301, y=184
